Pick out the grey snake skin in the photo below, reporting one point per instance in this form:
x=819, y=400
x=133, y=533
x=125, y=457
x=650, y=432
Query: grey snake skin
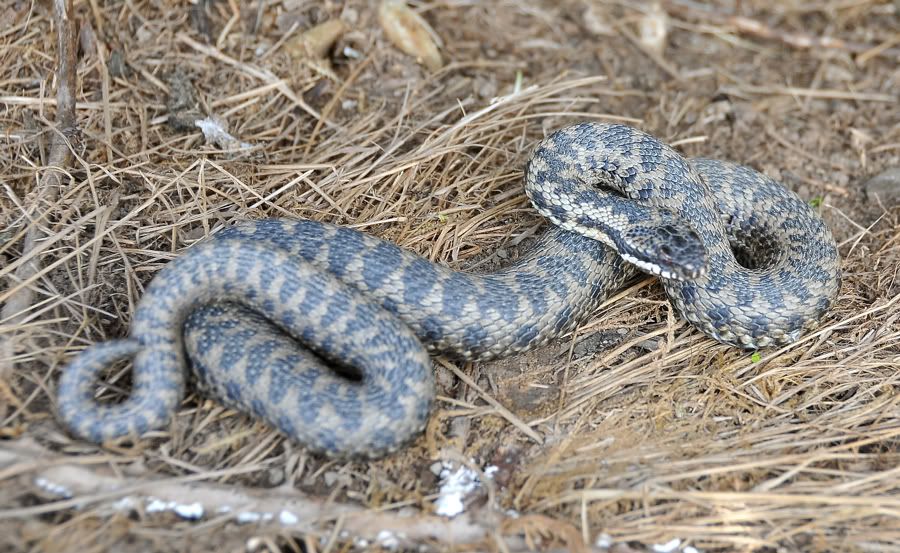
x=745, y=260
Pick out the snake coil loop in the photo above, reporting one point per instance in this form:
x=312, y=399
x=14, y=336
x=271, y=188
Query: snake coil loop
x=239, y=304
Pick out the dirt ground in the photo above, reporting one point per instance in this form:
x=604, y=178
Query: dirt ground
x=634, y=433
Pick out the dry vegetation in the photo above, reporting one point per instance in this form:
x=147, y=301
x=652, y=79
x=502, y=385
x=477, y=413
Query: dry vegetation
x=636, y=426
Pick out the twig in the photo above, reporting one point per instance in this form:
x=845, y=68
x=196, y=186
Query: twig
x=47, y=191
x=194, y=497
x=357, y=71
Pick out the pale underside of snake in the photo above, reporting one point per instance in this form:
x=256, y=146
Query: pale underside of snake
x=325, y=332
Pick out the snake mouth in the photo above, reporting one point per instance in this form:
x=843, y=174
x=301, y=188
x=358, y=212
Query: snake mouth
x=684, y=273
x=669, y=271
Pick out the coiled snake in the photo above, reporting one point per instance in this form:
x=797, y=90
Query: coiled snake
x=740, y=257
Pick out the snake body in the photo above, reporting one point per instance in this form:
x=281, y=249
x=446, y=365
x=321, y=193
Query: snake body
x=742, y=258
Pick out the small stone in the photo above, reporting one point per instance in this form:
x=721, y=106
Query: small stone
x=444, y=379
x=716, y=112
x=884, y=187
x=330, y=478
x=350, y=15
x=144, y=35
x=276, y=476
x=597, y=22
x=116, y=65
x=436, y=468
x=486, y=88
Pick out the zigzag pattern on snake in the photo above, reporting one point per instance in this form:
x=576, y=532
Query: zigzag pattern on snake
x=740, y=257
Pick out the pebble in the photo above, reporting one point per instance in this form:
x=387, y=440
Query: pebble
x=330, y=478
x=444, y=379
x=276, y=476
x=884, y=187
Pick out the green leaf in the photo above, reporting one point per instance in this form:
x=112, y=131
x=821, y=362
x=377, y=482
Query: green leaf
x=816, y=202
x=756, y=357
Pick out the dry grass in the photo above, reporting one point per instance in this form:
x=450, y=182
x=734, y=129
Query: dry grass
x=635, y=426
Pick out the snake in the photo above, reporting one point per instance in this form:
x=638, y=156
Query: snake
x=326, y=332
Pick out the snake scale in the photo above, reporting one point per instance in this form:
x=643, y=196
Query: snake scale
x=742, y=258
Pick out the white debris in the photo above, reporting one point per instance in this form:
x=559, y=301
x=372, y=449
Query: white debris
x=455, y=487
x=124, y=504
x=155, y=505
x=352, y=53
x=214, y=132
x=387, y=539
x=190, y=511
x=667, y=547
x=52, y=487
x=248, y=516
x=690, y=549
x=604, y=540
x=287, y=518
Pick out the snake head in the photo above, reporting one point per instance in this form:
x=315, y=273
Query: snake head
x=666, y=247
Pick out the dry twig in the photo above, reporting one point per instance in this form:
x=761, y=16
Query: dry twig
x=195, y=497
x=43, y=200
